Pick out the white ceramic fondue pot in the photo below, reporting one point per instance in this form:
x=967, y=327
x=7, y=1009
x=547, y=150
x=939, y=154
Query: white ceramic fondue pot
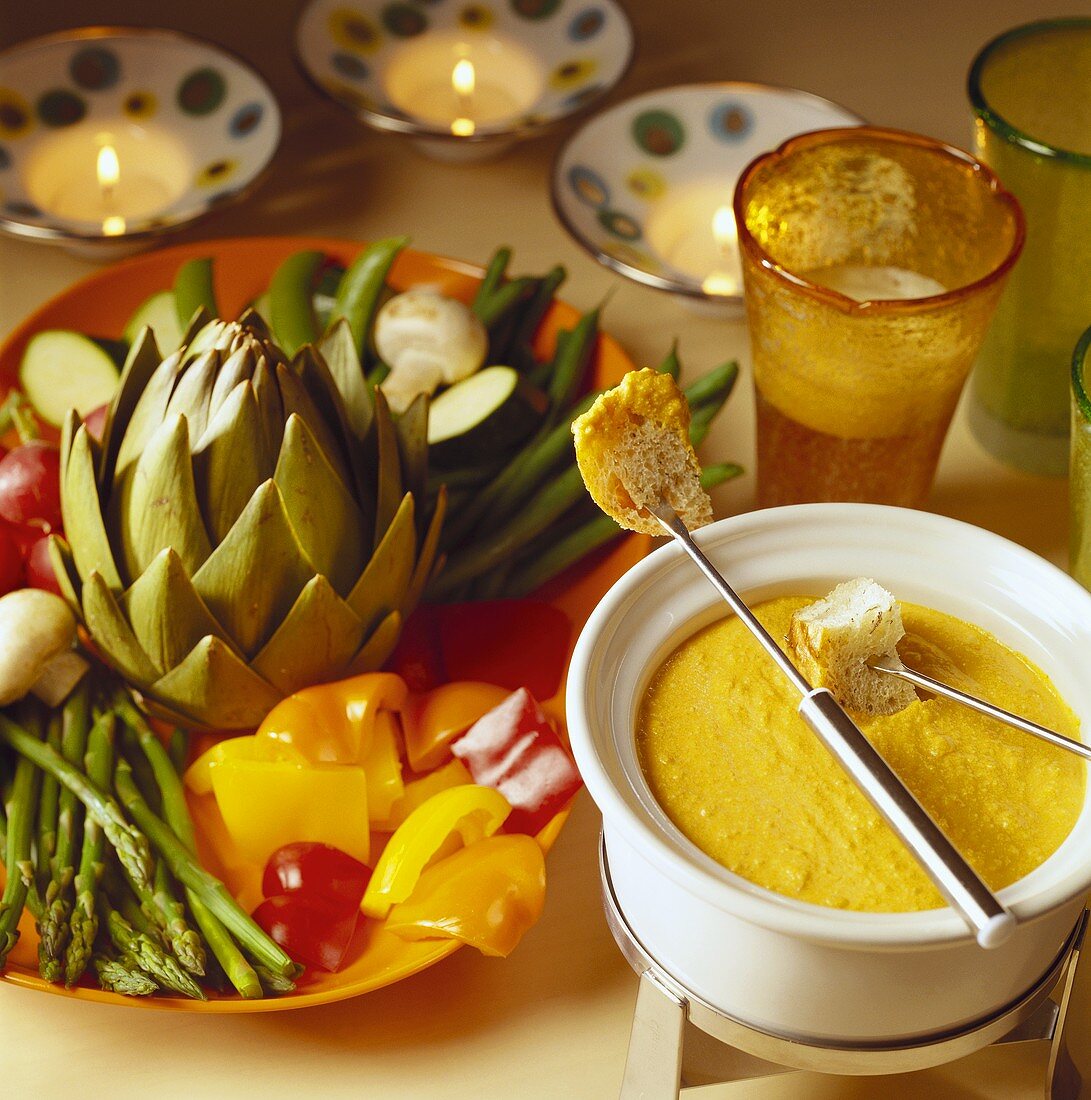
x=781, y=965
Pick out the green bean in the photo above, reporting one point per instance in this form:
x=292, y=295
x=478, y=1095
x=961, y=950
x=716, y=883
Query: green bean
x=717, y=384
x=361, y=289
x=291, y=306
x=590, y=535
x=522, y=341
x=671, y=364
x=503, y=302
x=493, y=277
x=571, y=364
x=193, y=290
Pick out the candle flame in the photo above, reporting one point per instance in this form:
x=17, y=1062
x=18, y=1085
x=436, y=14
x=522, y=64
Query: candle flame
x=463, y=78
x=107, y=167
x=721, y=284
x=723, y=228
x=113, y=226
x=462, y=127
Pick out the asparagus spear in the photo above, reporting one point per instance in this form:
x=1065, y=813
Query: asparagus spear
x=123, y=975
x=207, y=887
x=99, y=765
x=53, y=929
x=48, y=799
x=130, y=843
x=149, y=956
x=165, y=765
x=20, y=812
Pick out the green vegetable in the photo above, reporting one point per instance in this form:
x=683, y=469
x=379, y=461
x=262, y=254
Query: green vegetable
x=54, y=926
x=123, y=975
x=504, y=302
x=129, y=842
x=571, y=361
x=491, y=280
x=62, y=370
x=360, y=293
x=150, y=957
x=590, y=535
x=160, y=314
x=20, y=810
x=482, y=416
x=522, y=341
x=176, y=814
x=291, y=308
x=193, y=291
x=99, y=765
x=210, y=890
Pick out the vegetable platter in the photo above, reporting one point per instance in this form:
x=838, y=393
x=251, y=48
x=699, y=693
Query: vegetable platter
x=102, y=305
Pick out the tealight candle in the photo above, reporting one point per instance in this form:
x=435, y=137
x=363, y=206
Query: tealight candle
x=694, y=232
x=107, y=175
x=464, y=87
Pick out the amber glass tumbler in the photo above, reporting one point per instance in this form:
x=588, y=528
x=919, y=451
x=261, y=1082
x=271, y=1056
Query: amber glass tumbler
x=872, y=262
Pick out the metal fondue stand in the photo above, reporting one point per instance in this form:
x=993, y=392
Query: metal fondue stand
x=679, y=1040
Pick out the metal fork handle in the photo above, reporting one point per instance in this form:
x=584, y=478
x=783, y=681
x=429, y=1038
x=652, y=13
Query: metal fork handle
x=892, y=666
x=929, y=845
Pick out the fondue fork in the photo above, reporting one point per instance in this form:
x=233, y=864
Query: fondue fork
x=893, y=666
x=990, y=921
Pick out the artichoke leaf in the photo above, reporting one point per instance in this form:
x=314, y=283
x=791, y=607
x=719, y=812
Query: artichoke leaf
x=270, y=404
x=148, y=414
x=323, y=515
x=338, y=348
x=156, y=505
x=167, y=616
x=423, y=572
x=382, y=586
x=411, y=430
x=298, y=400
x=216, y=687
x=113, y=636
x=320, y=385
x=64, y=569
x=314, y=643
x=193, y=394
x=378, y=647
x=83, y=520
x=238, y=367
x=251, y=580
x=199, y=321
x=140, y=365
x=231, y=460
x=389, y=477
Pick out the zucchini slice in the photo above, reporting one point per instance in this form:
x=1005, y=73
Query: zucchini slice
x=482, y=416
x=160, y=314
x=62, y=370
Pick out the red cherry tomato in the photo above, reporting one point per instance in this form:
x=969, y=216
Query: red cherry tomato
x=316, y=871
x=11, y=560
x=30, y=485
x=39, y=567
x=95, y=421
x=310, y=929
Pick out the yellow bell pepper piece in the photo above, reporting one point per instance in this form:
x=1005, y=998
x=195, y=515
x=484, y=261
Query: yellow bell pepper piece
x=418, y=791
x=334, y=723
x=469, y=812
x=487, y=895
x=383, y=767
x=198, y=775
x=433, y=720
x=266, y=805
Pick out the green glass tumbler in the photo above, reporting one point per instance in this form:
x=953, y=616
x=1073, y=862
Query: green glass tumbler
x=1079, y=484
x=1031, y=94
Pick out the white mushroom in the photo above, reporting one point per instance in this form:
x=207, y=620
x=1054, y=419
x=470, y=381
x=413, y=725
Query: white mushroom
x=37, y=631
x=427, y=340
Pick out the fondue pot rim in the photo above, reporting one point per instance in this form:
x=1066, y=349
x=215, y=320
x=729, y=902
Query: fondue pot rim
x=639, y=821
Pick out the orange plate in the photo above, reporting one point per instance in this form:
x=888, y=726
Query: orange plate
x=101, y=304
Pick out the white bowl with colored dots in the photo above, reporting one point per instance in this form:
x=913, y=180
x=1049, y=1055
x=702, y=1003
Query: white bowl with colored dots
x=465, y=79
x=112, y=136
x=646, y=186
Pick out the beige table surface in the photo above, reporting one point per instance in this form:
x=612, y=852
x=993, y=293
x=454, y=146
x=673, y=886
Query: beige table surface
x=552, y=1021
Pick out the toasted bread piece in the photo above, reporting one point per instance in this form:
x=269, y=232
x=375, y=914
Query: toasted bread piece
x=633, y=451
x=834, y=640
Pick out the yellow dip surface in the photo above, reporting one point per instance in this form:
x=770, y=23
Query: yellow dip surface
x=736, y=770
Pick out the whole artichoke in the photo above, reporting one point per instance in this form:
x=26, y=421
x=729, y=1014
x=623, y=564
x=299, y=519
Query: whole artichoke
x=247, y=525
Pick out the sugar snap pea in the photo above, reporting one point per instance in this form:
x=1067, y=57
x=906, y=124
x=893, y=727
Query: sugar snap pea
x=291, y=307
x=360, y=293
